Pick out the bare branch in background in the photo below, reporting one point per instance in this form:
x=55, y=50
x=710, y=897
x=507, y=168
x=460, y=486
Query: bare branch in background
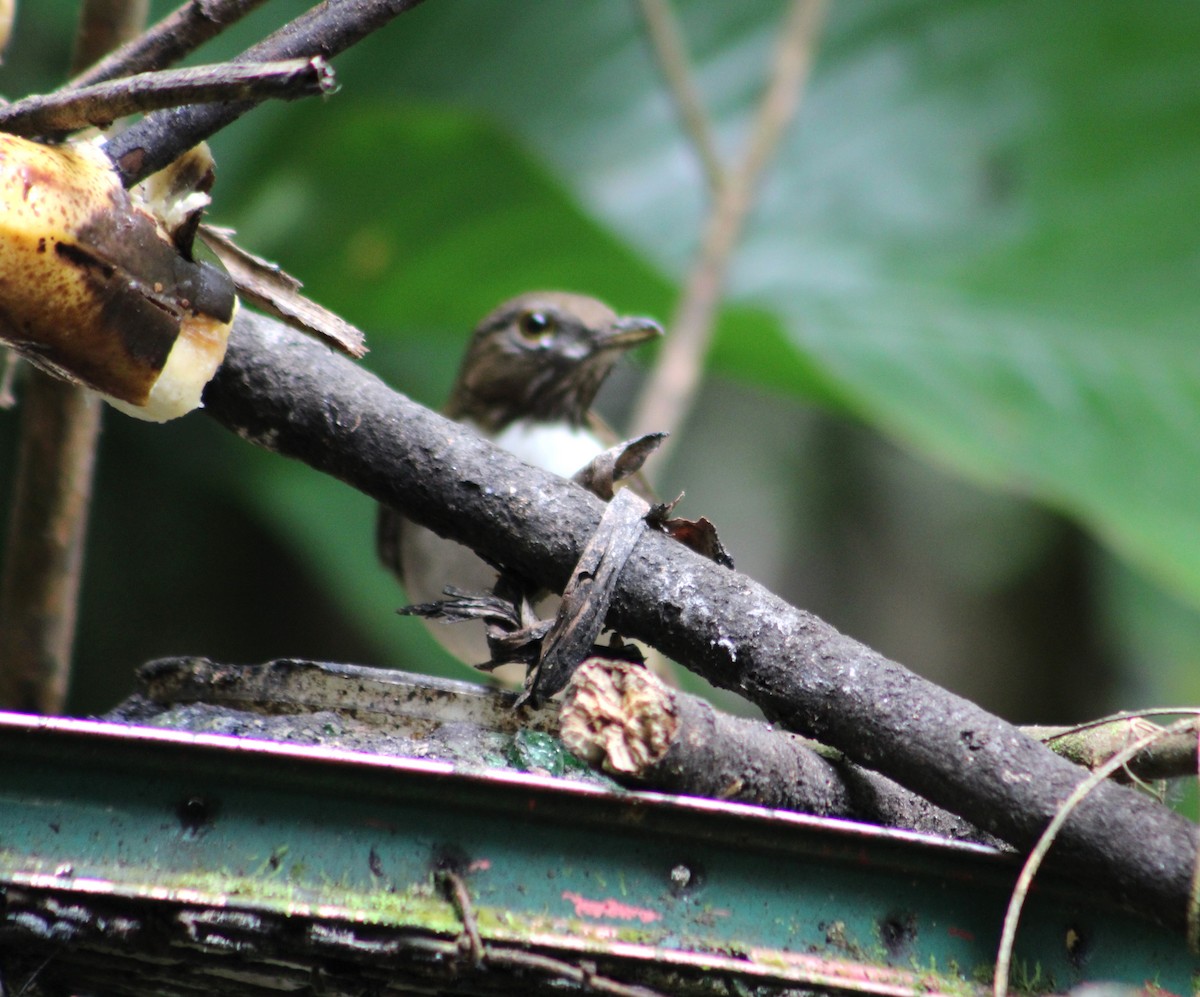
x=52, y=487
x=670, y=48
x=668, y=395
x=168, y=41
x=39, y=590
x=8, y=11
x=72, y=109
x=103, y=26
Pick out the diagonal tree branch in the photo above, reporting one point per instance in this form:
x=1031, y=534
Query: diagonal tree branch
x=329, y=28
x=293, y=396
x=666, y=37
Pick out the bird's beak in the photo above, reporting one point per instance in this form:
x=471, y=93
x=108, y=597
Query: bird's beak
x=626, y=333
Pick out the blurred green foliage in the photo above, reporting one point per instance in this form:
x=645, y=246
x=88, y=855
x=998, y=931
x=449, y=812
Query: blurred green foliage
x=979, y=241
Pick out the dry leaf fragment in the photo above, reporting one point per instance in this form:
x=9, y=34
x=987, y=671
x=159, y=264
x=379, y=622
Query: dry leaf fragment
x=266, y=286
x=615, y=464
x=698, y=534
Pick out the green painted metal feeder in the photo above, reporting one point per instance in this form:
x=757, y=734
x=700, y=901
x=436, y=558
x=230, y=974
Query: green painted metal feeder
x=138, y=859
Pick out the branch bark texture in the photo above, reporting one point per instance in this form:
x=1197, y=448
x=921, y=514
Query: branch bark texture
x=293, y=396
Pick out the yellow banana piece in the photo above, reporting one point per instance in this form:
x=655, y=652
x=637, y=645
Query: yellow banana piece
x=97, y=283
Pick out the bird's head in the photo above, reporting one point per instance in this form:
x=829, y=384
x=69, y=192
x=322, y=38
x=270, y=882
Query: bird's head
x=542, y=356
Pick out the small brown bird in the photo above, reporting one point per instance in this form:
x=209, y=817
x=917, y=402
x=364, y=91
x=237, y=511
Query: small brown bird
x=527, y=382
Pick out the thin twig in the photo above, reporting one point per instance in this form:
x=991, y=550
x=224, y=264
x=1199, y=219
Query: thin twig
x=52, y=487
x=1041, y=849
x=101, y=104
x=483, y=954
x=670, y=50
x=326, y=30
x=460, y=897
x=668, y=395
x=168, y=41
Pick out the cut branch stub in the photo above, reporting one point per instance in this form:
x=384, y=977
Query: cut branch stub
x=94, y=287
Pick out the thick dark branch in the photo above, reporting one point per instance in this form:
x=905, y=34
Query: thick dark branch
x=293, y=396
x=326, y=30
x=102, y=104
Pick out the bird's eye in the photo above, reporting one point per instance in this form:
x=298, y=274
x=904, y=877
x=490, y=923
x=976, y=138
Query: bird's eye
x=534, y=325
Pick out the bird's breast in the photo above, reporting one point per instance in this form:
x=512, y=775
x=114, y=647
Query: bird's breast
x=555, y=447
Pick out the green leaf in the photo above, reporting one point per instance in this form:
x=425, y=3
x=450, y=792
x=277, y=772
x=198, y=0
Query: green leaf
x=980, y=235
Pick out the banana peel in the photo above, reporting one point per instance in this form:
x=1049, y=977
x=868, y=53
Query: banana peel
x=99, y=285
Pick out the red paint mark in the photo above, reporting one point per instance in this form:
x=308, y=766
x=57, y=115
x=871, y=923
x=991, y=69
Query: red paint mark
x=963, y=933
x=480, y=865
x=610, y=908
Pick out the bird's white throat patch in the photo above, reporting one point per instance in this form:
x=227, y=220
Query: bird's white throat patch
x=555, y=447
